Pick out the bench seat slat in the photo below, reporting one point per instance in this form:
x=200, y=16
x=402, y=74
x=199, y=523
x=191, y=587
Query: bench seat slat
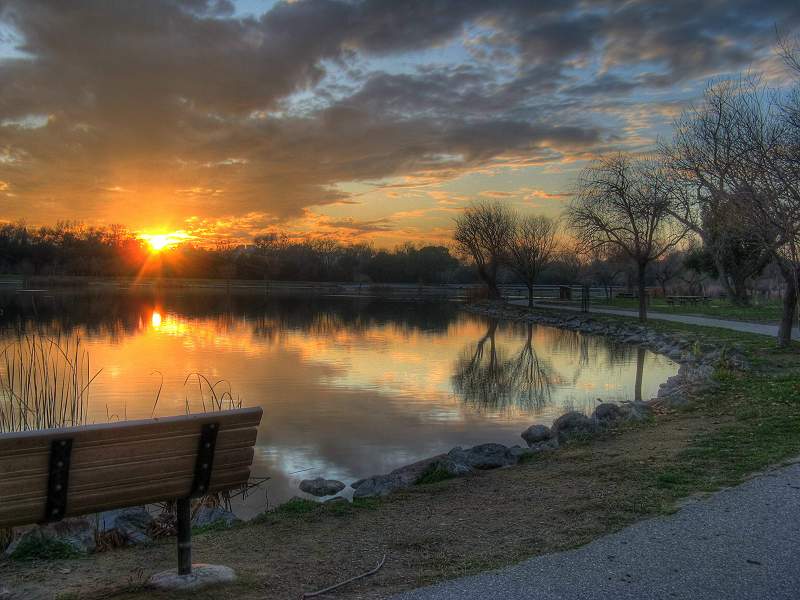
x=121, y=497
x=87, y=480
x=104, y=433
x=116, y=465
x=120, y=453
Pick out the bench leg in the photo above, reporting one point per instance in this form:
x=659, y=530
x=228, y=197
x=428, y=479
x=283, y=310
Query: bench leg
x=184, y=514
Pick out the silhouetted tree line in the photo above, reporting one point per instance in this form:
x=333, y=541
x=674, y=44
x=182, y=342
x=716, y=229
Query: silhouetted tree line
x=74, y=249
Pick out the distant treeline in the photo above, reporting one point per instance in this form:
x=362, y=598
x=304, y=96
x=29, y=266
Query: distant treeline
x=70, y=249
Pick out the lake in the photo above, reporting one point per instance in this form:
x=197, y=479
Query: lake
x=350, y=387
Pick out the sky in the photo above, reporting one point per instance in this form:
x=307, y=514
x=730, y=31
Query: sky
x=364, y=120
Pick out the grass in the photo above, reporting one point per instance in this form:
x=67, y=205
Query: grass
x=300, y=509
x=44, y=549
x=762, y=428
x=433, y=473
x=760, y=312
x=220, y=525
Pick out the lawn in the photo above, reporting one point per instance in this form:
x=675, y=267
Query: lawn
x=760, y=312
x=456, y=527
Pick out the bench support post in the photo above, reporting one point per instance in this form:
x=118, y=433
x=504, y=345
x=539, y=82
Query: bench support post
x=184, y=522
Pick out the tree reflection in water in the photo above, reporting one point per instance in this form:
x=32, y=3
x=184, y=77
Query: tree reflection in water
x=486, y=378
x=640, y=355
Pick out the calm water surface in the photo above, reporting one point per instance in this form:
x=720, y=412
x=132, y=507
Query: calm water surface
x=349, y=387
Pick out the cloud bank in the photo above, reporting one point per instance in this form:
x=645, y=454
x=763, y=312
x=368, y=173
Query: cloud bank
x=161, y=111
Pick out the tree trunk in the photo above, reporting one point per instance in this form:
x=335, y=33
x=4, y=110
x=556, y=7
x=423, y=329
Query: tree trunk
x=735, y=286
x=490, y=279
x=637, y=389
x=530, y=295
x=740, y=294
x=641, y=271
x=789, y=307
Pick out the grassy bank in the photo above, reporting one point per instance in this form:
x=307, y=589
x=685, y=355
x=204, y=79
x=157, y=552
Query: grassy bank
x=759, y=312
x=461, y=526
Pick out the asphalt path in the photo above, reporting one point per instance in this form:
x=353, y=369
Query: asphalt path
x=743, y=326
x=741, y=543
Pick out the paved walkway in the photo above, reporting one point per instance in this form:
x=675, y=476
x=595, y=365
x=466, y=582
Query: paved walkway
x=741, y=543
x=743, y=326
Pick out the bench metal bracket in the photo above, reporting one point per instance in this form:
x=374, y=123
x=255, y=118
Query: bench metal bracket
x=58, y=480
x=205, y=459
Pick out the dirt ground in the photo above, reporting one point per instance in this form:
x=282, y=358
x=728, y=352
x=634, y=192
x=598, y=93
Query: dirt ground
x=429, y=533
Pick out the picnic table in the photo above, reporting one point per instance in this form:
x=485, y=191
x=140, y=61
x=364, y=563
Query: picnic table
x=682, y=300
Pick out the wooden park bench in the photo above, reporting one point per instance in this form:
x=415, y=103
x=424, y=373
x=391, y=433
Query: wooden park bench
x=50, y=474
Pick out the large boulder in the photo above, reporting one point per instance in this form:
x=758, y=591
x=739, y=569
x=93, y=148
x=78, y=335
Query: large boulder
x=378, y=485
x=453, y=468
x=608, y=413
x=536, y=434
x=483, y=456
x=207, y=516
x=637, y=411
x=125, y=526
x=406, y=476
x=551, y=444
x=321, y=486
x=572, y=424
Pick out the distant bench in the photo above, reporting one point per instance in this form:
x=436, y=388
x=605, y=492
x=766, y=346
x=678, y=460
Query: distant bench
x=47, y=475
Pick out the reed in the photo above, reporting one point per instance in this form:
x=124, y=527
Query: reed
x=44, y=383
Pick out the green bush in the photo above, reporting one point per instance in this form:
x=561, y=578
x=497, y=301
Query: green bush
x=44, y=549
x=433, y=473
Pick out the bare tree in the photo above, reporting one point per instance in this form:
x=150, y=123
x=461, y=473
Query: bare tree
x=531, y=248
x=626, y=203
x=711, y=171
x=771, y=121
x=667, y=268
x=606, y=267
x=481, y=235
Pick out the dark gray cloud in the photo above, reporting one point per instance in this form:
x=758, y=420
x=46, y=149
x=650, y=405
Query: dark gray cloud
x=182, y=95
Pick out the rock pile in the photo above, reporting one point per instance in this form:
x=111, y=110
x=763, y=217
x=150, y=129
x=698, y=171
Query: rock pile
x=122, y=527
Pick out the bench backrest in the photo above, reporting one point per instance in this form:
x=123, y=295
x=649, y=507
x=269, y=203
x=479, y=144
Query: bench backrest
x=50, y=474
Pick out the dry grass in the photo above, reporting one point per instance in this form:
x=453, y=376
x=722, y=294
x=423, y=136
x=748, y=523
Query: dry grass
x=44, y=383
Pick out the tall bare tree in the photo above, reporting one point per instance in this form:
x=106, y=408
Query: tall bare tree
x=627, y=203
x=481, y=235
x=668, y=268
x=771, y=121
x=531, y=248
x=710, y=162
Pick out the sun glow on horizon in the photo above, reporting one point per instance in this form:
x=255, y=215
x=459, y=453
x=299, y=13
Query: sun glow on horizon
x=158, y=242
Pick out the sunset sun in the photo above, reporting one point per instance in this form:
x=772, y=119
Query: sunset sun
x=158, y=242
